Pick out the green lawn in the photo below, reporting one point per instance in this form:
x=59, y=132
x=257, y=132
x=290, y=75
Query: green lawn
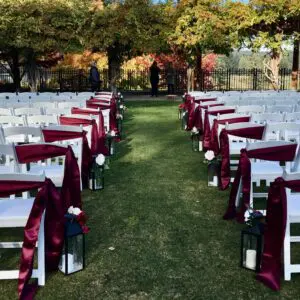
x=163, y=221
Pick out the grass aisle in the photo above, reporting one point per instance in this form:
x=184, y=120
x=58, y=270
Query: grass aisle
x=164, y=223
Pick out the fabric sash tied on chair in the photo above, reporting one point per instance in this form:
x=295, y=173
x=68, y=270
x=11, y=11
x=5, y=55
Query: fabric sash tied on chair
x=252, y=132
x=284, y=152
x=275, y=232
x=214, y=139
x=206, y=125
x=97, y=141
x=51, y=136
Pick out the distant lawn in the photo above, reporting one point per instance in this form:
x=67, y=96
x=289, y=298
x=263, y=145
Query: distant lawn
x=163, y=221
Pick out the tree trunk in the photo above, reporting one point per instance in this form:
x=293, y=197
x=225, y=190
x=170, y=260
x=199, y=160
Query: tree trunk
x=190, y=79
x=32, y=71
x=198, y=72
x=14, y=65
x=295, y=69
x=114, y=67
x=271, y=69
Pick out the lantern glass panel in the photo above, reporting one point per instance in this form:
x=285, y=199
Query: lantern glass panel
x=72, y=259
x=213, y=170
x=251, y=249
x=96, y=178
x=195, y=142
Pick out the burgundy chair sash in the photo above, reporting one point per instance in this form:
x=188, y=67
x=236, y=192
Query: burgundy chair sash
x=247, y=132
x=275, y=232
x=214, y=140
x=51, y=136
x=112, y=113
x=277, y=153
x=97, y=144
x=204, y=100
x=206, y=126
x=206, y=106
x=47, y=198
x=71, y=183
x=191, y=116
x=84, y=111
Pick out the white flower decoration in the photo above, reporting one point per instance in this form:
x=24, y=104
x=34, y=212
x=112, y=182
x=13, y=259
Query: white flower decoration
x=100, y=160
x=209, y=155
x=70, y=210
x=121, y=106
x=76, y=211
x=113, y=133
x=195, y=130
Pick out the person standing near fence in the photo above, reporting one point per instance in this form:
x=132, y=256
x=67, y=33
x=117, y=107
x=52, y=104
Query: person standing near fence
x=170, y=79
x=154, y=79
x=94, y=77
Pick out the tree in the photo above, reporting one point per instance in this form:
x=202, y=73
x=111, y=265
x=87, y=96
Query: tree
x=265, y=24
x=201, y=27
x=32, y=32
x=125, y=29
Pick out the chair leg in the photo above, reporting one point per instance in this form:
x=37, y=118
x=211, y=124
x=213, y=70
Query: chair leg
x=41, y=253
x=287, y=252
x=251, y=203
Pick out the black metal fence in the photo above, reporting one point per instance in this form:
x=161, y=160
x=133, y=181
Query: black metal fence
x=138, y=80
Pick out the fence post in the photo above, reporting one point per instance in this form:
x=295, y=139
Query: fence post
x=254, y=79
x=60, y=79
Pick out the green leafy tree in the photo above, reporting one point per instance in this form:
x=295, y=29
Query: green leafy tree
x=125, y=29
x=265, y=24
x=31, y=30
x=201, y=27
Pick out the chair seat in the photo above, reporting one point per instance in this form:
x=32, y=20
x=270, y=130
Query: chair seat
x=15, y=212
x=235, y=147
x=54, y=172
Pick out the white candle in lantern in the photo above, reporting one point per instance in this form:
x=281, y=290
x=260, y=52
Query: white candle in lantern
x=251, y=259
x=70, y=263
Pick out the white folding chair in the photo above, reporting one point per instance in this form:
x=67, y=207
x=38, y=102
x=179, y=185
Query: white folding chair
x=22, y=134
x=57, y=111
x=293, y=217
x=266, y=171
x=249, y=109
x=280, y=108
x=6, y=112
x=42, y=120
x=23, y=111
x=267, y=117
x=76, y=144
x=8, y=161
x=292, y=117
x=44, y=104
x=12, y=121
x=68, y=104
x=14, y=213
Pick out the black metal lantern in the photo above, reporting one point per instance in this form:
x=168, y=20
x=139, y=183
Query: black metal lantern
x=184, y=120
x=213, y=172
x=111, y=144
x=96, y=177
x=195, y=137
x=120, y=126
x=73, y=254
x=251, y=247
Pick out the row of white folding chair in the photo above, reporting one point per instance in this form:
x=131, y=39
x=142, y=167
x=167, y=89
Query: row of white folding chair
x=42, y=105
x=24, y=120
